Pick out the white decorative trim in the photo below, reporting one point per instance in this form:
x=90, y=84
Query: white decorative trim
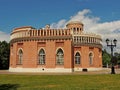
x=58, y=49
x=77, y=52
x=19, y=69
x=92, y=53
x=88, y=69
x=57, y=70
x=41, y=49
x=19, y=50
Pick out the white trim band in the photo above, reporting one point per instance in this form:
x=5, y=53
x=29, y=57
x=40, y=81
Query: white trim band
x=88, y=69
x=18, y=69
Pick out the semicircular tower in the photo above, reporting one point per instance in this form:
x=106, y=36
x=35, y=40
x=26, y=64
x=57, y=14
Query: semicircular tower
x=75, y=27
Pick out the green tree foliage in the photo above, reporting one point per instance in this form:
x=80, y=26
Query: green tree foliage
x=106, y=58
x=117, y=55
x=4, y=55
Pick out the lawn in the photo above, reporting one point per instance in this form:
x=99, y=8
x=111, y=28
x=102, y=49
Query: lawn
x=60, y=82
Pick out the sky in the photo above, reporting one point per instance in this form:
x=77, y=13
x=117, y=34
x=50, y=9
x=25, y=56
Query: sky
x=98, y=16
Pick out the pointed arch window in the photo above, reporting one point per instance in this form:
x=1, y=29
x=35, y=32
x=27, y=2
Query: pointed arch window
x=60, y=57
x=41, y=57
x=20, y=56
x=77, y=58
x=91, y=58
x=74, y=30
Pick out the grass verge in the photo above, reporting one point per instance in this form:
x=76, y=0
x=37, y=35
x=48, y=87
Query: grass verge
x=60, y=82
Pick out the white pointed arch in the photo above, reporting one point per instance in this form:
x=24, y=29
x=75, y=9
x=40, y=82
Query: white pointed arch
x=41, y=56
x=91, y=52
x=58, y=49
x=77, y=57
x=77, y=52
x=59, y=56
x=20, y=56
x=91, y=57
x=40, y=49
x=19, y=50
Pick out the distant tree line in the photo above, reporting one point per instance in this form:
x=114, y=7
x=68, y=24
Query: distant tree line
x=4, y=54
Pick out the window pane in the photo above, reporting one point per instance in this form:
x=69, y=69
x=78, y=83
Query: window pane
x=41, y=57
x=77, y=58
x=20, y=57
x=60, y=57
x=90, y=58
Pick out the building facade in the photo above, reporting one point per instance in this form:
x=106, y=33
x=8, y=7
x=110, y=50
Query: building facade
x=55, y=50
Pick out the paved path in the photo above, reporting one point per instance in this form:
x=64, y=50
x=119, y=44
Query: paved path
x=104, y=71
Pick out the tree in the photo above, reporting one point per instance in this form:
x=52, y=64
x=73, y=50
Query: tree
x=117, y=55
x=106, y=58
x=4, y=55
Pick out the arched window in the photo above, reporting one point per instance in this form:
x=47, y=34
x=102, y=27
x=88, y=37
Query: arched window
x=90, y=58
x=41, y=58
x=74, y=30
x=20, y=56
x=77, y=58
x=60, y=57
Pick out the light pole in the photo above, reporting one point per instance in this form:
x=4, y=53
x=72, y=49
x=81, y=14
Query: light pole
x=112, y=45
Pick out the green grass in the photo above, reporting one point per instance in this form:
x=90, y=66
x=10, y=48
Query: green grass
x=60, y=82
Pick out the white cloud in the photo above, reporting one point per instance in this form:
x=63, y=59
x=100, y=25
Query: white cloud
x=60, y=24
x=82, y=16
x=91, y=23
x=4, y=36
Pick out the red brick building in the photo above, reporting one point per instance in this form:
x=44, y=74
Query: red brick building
x=54, y=50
